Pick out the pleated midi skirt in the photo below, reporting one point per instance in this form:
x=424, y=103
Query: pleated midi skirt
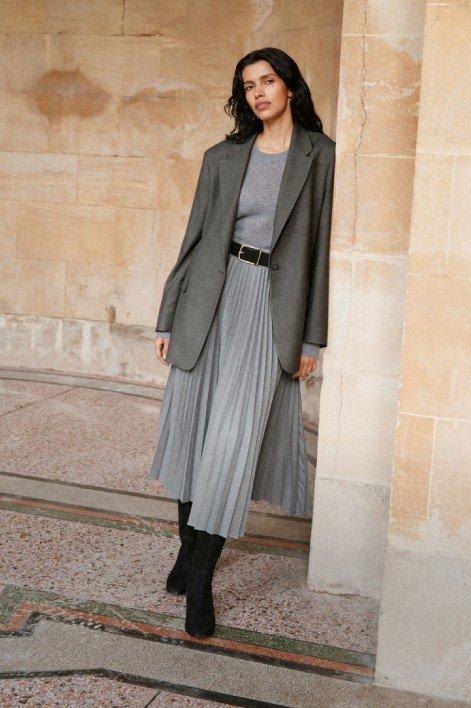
x=230, y=429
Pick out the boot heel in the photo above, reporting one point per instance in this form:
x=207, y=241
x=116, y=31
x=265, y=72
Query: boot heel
x=200, y=620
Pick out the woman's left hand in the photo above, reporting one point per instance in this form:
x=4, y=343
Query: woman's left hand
x=307, y=365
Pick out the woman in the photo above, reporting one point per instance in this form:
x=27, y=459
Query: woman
x=242, y=317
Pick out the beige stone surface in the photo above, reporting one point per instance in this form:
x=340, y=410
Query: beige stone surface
x=32, y=286
x=410, y=480
x=379, y=17
x=167, y=227
x=425, y=602
x=148, y=17
x=26, y=16
x=450, y=489
x=84, y=17
x=86, y=234
x=321, y=15
x=26, y=57
x=436, y=366
x=347, y=512
x=376, y=316
x=458, y=263
x=350, y=118
x=446, y=96
x=431, y=213
x=225, y=17
x=111, y=294
x=122, y=66
x=380, y=80
x=151, y=122
x=21, y=127
x=8, y=217
x=340, y=295
x=377, y=118
x=39, y=177
x=425, y=615
x=118, y=181
x=357, y=426
x=81, y=347
x=323, y=53
x=344, y=215
x=64, y=112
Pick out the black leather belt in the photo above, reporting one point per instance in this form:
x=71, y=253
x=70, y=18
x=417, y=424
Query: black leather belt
x=249, y=254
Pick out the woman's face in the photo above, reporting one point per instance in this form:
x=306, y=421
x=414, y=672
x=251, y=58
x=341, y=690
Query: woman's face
x=265, y=91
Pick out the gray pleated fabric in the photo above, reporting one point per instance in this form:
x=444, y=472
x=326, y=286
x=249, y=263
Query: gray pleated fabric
x=230, y=429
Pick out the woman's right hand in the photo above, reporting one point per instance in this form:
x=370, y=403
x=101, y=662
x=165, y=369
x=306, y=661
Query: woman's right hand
x=161, y=346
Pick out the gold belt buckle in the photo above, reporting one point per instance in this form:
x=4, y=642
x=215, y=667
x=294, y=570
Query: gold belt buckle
x=254, y=249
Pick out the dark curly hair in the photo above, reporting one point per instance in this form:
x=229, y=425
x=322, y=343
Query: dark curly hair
x=302, y=107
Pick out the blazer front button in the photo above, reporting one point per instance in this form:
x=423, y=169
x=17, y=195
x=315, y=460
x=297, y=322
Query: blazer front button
x=275, y=266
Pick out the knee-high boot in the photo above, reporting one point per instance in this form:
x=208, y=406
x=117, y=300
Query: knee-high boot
x=177, y=579
x=200, y=620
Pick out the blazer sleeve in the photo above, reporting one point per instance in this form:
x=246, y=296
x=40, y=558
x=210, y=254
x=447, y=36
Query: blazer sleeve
x=171, y=291
x=310, y=349
x=315, y=328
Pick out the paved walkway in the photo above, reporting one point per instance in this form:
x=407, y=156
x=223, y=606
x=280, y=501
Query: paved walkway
x=87, y=540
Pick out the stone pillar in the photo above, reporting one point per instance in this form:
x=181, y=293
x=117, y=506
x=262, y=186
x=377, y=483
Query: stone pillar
x=376, y=133
x=425, y=621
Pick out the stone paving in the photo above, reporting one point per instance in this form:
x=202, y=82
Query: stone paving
x=87, y=541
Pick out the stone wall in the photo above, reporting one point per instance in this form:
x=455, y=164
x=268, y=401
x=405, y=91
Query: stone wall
x=105, y=111
x=425, y=624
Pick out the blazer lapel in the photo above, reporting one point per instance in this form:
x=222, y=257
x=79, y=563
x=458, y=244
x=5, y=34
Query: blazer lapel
x=231, y=177
x=297, y=166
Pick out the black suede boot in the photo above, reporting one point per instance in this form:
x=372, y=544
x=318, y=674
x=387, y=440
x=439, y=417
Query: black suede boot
x=177, y=579
x=200, y=620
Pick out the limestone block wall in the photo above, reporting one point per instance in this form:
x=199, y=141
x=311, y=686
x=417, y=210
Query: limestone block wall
x=105, y=111
x=376, y=141
x=425, y=610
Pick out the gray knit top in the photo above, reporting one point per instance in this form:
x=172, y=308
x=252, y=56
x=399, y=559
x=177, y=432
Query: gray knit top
x=256, y=208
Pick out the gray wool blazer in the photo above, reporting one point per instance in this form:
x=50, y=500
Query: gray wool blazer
x=299, y=252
